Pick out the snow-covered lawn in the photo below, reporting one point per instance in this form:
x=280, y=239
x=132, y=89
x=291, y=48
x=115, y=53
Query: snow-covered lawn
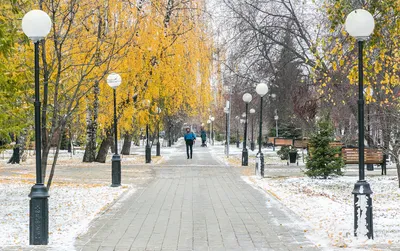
x=71, y=208
x=328, y=206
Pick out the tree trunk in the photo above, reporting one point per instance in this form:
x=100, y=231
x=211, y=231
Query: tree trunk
x=398, y=171
x=126, y=148
x=53, y=166
x=105, y=145
x=90, y=150
x=15, y=157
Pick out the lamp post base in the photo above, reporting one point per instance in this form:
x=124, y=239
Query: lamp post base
x=252, y=145
x=39, y=215
x=148, y=154
x=363, y=223
x=116, y=170
x=260, y=164
x=245, y=157
x=158, y=149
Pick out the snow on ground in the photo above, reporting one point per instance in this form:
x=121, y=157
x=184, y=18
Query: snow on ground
x=71, y=208
x=328, y=206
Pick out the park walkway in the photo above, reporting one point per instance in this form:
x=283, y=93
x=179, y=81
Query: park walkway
x=197, y=204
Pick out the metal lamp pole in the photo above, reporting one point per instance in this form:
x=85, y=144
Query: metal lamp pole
x=158, y=149
x=245, y=155
x=148, y=148
x=114, y=80
x=237, y=132
x=360, y=25
x=226, y=111
x=252, y=144
x=276, y=117
x=261, y=90
x=209, y=127
x=36, y=25
x=212, y=129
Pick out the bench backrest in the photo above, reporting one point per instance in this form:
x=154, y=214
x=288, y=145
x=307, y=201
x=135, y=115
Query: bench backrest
x=271, y=140
x=283, y=142
x=301, y=143
x=371, y=155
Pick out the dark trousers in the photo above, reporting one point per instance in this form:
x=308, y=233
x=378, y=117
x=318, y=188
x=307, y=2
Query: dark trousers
x=189, y=146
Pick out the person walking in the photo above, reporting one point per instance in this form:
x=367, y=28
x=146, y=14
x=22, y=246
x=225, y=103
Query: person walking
x=203, y=137
x=190, y=138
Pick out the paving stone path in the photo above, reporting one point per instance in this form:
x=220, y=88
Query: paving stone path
x=196, y=204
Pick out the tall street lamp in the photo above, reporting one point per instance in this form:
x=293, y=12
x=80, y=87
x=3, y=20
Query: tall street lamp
x=276, y=117
x=36, y=24
x=212, y=129
x=273, y=96
x=360, y=25
x=209, y=134
x=158, y=149
x=114, y=80
x=261, y=90
x=252, y=144
x=245, y=155
x=148, y=148
x=237, y=132
x=226, y=111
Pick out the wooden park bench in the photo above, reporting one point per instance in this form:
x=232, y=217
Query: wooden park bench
x=300, y=143
x=270, y=141
x=283, y=142
x=371, y=156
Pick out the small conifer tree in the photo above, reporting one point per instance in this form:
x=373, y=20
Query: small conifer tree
x=323, y=160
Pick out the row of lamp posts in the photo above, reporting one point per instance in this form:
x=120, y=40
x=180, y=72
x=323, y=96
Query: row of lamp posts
x=360, y=25
x=36, y=24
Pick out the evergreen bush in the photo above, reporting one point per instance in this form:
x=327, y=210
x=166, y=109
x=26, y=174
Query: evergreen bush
x=323, y=160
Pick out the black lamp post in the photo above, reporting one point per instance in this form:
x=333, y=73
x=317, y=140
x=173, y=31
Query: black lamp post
x=252, y=144
x=148, y=148
x=158, y=150
x=226, y=111
x=237, y=132
x=36, y=24
x=276, y=117
x=209, y=134
x=360, y=25
x=212, y=130
x=245, y=155
x=114, y=80
x=261, y=90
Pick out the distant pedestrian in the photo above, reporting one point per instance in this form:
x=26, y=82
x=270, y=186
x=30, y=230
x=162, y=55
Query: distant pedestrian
x=190, y=138
x=203, y=137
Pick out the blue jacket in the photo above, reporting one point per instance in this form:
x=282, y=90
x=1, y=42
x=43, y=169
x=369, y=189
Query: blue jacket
x=190, y=136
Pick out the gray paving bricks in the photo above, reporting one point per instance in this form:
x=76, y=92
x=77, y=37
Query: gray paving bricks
x=197, y=204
